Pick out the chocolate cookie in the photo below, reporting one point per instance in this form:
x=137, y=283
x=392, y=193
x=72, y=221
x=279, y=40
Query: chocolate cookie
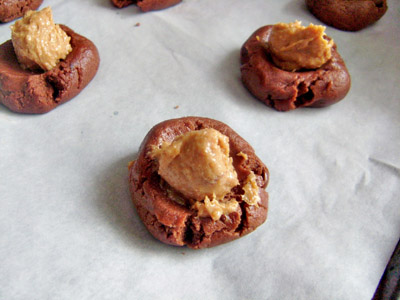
x=13, y=9
x=26, y=91
x=168, y=217
x=146, y=5
x=285, y=90
x=348, y=15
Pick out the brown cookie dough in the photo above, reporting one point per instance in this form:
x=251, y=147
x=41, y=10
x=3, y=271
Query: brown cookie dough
x=166, y=213
x=13, y=9
x=349, y=15
x=26, y=91
x=146, y=5
x=285, y=90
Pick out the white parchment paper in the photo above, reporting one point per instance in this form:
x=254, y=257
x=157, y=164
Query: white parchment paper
x=68, y=229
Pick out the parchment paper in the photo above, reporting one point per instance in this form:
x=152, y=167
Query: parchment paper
x=68, y=229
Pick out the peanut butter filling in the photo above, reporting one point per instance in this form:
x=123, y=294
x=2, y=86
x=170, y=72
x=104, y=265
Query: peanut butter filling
x=197, y=164
x=244, y=155
x=38, y=42
x=215, y=208
x=251, y=196
x=295, y=47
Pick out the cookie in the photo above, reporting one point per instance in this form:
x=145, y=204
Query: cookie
x=13, y=9
x=287, y=90
x=168, y=212
x=348, y=15
x=26, y=91
x=122, y=3
x=146, y=5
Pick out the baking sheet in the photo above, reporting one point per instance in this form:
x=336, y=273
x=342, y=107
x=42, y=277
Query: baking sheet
x=68, y=229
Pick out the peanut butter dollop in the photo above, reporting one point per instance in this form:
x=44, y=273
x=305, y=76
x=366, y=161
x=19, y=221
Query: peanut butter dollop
x=294, y=47
x=215, y=208
x=38, y=42
x=197, y=164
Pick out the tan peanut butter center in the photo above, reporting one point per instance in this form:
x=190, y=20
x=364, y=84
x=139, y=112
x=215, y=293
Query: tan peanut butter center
x=38, y=42
x=197, y=164
x=294, y=47
x=215, y=208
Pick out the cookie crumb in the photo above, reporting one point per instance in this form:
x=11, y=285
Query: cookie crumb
x=137, y=24
x=176, y=107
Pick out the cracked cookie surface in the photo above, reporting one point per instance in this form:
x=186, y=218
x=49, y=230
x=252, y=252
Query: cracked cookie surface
x=285, y=90
x=27, y=91
x=171, y=219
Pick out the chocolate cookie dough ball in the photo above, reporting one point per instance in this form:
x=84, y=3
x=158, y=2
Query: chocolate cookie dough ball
x=13, y=9
x=146, y=5
x=44, y=65
x=350, y=15
x=197, y=183
x=287, y=66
